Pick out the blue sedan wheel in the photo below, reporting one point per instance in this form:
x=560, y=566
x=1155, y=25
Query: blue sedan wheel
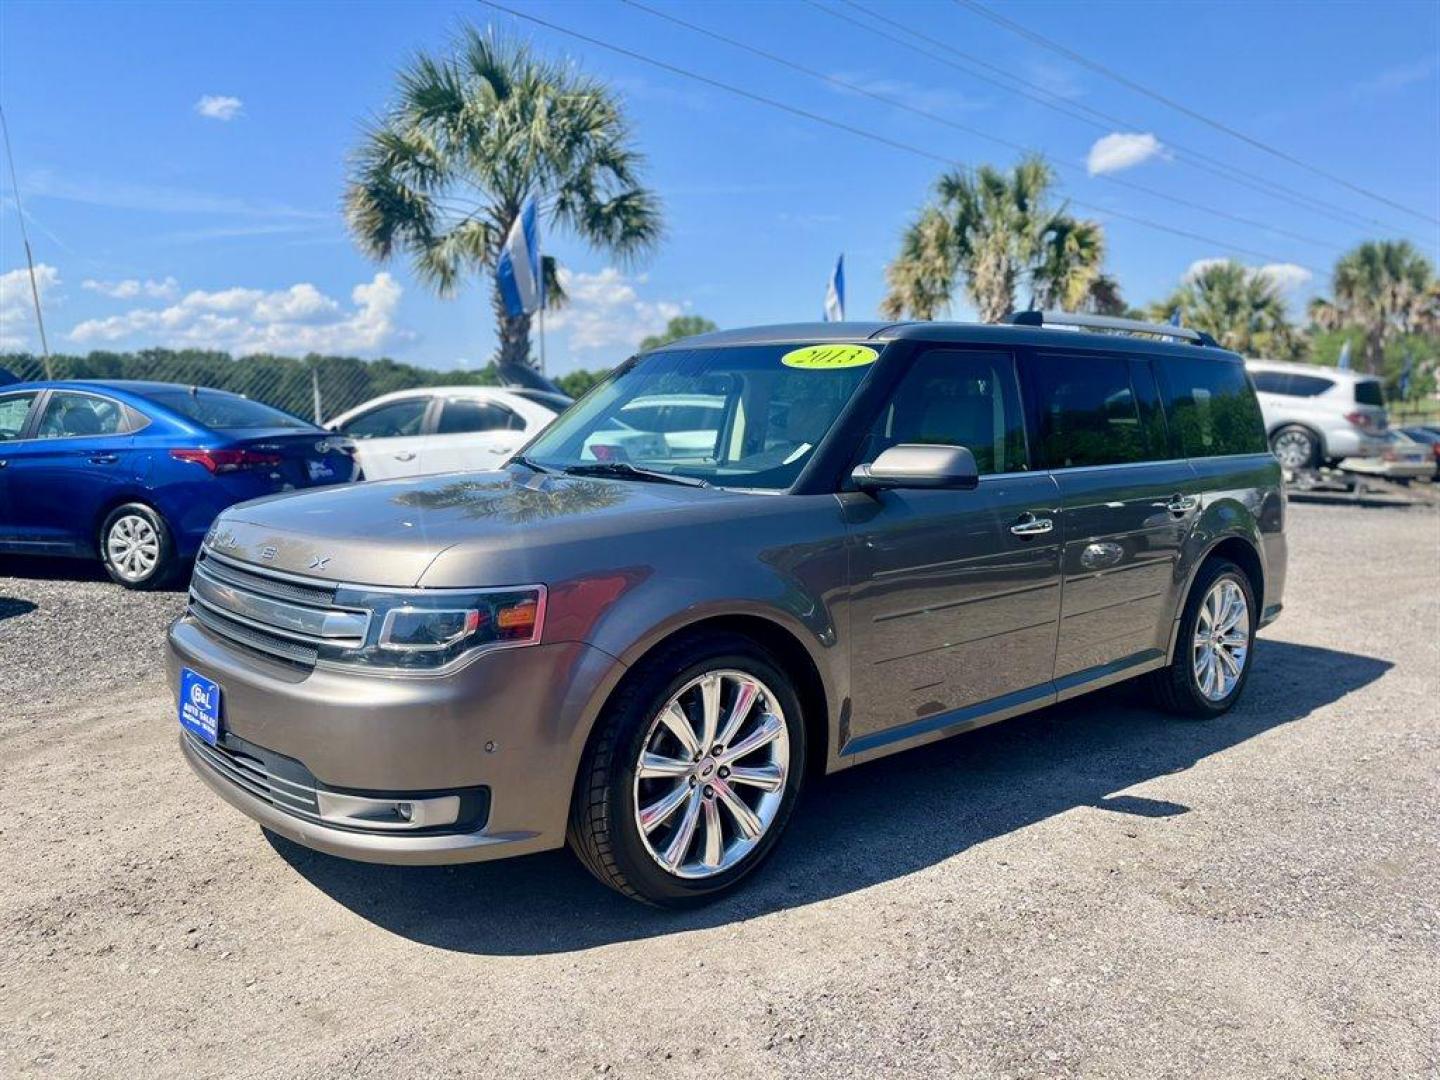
x=136, y=548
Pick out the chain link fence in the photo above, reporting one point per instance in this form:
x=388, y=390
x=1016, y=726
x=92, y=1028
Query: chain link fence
x=318, y=388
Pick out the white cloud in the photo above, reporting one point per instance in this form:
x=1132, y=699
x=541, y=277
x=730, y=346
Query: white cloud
x=299, y=319
x=17, y=306
x=219, y=107
x=1287, y=277
x=130, y=288
x=605, y=311
x=1117, y=151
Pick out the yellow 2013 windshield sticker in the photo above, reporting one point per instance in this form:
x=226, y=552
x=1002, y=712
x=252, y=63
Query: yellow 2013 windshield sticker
x=829, y=357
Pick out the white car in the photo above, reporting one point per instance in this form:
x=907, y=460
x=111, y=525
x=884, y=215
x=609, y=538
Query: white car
x=434, y=429
x=1318, y=415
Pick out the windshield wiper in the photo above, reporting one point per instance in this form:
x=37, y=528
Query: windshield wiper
x=625, y=469
x=530, y=463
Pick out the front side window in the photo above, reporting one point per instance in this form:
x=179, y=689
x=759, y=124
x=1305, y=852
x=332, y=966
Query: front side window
x=69, y=416
x=14, y=411
x=1087, y=412
x=954, y=397
x=1211, y=407
x=461, y=416
x=738, y=416
x=406, y=417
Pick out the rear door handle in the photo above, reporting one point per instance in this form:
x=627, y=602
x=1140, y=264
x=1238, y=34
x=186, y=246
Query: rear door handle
x=1030, y=525
x=405, y=455
x=1182, y=504
x=104, y=459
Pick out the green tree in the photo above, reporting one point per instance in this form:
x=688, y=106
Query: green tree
x=578, y=383
x=682, y=326
x=1240, y=308
x=1387, y=288
x=472, y=134
x=999, y=233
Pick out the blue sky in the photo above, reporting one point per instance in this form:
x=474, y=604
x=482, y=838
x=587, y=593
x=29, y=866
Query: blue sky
x=182, y=165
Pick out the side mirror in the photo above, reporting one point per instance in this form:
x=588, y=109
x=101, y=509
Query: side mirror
x=911, y=465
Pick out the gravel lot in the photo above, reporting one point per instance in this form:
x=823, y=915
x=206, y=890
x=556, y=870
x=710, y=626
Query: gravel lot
x=1094, y=890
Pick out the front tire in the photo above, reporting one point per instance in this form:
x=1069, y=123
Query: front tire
x=1297, y=447
x=692, y=773
x=137, y=548
x=1214, y=646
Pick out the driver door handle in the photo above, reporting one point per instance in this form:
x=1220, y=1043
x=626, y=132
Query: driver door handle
x=1030, y=525
x=104, y=459
x=405, y=455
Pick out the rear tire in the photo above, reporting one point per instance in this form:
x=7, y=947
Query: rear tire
x=1297, y=447
x=137, y=548
x=691, y=828
x=1213, y=655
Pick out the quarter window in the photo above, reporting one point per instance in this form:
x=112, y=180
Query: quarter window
x=1088, y=412
x=389, y=421
x=14, y=410
x=70, y=416
x=953, y=397
x=1211, y=407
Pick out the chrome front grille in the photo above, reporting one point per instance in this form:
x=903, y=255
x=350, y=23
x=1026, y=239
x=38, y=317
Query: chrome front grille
x=252, y=774
x=272, y=614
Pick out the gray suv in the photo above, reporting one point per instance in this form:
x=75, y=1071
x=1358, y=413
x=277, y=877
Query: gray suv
x=653, y=626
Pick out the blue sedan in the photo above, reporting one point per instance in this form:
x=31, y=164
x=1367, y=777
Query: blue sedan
x=134, y=472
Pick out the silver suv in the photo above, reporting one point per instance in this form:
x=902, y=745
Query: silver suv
x=1318, y=415
x=888, y=534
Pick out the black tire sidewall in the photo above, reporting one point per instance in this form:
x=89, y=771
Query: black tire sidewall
x=1209, y=575
x=639, y=868
x=164, y=565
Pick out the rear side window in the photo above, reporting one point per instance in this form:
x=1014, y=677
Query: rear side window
x=465, y=415
x=952, y=397
x=1369, y=392
x=1290, y=384
x=1211, y=407
x=224, y=412
x=14, y=410
x=1088, y=413
x=72, y=416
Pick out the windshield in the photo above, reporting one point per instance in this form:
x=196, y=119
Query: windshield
x=747, y=417
x=224, y=412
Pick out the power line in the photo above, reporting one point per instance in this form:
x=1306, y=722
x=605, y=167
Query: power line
x=845, y=84
x=1096, y=118
x=1139, y=88
x=25, y=237
x=852, y=129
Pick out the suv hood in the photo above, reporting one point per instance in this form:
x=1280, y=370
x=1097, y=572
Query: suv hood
x=478, y=528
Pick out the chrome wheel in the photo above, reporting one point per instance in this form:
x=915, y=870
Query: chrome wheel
x=1295, y=449
x=133, y=547
x=712, y=774
x=1222, y=639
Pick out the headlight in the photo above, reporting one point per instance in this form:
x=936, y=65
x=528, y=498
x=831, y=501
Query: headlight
x=421, y=629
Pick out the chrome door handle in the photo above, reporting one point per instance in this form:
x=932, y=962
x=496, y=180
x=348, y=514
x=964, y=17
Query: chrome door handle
x=1030, y=525
x=405, y=455
x=1182, y=504
x=104, y=459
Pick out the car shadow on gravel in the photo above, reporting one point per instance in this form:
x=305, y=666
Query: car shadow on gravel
x=861, y=827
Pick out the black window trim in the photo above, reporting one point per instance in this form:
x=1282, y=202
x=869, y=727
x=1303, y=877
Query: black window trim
x=32, y=422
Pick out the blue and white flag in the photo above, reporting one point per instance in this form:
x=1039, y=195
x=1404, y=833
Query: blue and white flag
x=835, y=293
x=518, y=271
x=1405, y=374
x=1175, y=316
x=1344, y=362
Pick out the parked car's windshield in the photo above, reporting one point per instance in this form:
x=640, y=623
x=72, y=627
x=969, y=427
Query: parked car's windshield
x=224, y=412
x=735, y=417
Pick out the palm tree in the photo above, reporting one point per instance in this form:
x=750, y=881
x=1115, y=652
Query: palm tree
x=1386, y=287
x=473, y=134
x=1240, y=308
x=997, y=231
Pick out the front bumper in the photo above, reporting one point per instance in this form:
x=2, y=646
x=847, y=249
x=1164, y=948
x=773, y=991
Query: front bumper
x=512, y=721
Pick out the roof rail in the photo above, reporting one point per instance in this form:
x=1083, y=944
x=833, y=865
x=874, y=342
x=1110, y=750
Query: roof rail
x=1109, y=322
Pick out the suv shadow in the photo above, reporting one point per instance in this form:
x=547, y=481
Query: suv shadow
x=867, y=825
